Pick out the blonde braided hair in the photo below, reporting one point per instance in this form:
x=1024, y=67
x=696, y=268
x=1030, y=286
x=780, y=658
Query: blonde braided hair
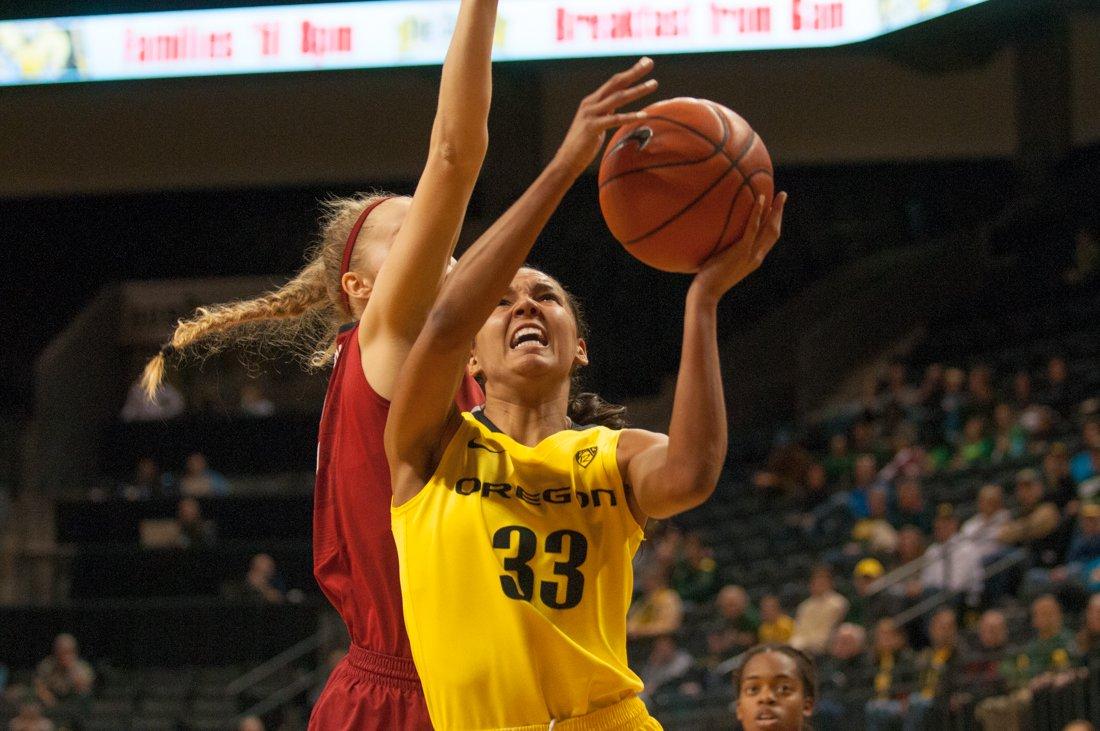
x=301, y=317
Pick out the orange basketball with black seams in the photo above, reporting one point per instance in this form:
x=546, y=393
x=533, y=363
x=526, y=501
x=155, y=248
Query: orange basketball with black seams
x=679, y=185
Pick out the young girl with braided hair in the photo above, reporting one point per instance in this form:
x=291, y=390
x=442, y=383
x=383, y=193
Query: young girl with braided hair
x=775, y=687
x=378, y=267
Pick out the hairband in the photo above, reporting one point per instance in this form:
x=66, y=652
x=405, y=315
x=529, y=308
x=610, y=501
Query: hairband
x=349, y=247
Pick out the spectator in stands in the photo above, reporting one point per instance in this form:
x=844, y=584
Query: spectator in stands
x=839, y=463
x=30, y=718
x=1056, y=477
x=866, y=470
x=939, y=668
x=865, y=438
x=1082, y=561
x=254, y=402
x=819, y=512
x=666, y=667
x=975, y=448
x=194, y=531
x=898, y=389
x=910, y=507
x=953, y=403
x=167, y=403
x=659, y=611
x=1058, y=393
x=695, y=574
x=874, y=535
x=1009, y=438
x=816, y=617
x=910, y=591
x=810, y=494
x=1053, y=646
x=11, y=699
x=864, y=607
x=895, y=677
x=910, y=546
x=1051, y=651
x=979, y=387
x=734, y=626
x=63, y=682
x=1028, y=536
x=982, y=529
x=1038, y=421
x=251, y=723
x=1086, y=260
x=1079, y=725
x=199, y=480
x=776, y=626
x=787, y=464
x=909, y=460
x=952, y=563
x=844, y=678
x=658, y=553
x=262, y=582
x=1088, y=638
x=989, y=664
x=1086, y=463
x=930, y=391
x=147, y=482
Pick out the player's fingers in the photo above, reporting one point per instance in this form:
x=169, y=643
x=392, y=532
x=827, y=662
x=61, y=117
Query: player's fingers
x=610, y=121
x=753, y=226
x=770, y=234
x=775, y=217
x=624, y=79
x=624, y=96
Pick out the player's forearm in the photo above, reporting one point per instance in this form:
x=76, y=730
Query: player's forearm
x=484, y=271
x=697, y=431
x=460, y=133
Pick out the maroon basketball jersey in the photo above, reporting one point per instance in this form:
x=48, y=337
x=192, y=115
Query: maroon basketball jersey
x=354, y=558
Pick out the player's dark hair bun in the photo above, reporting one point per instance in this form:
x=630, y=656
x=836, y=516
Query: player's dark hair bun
x=588, y=408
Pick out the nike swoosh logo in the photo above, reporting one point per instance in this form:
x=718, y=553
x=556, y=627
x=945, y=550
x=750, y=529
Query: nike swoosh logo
x=474, y=445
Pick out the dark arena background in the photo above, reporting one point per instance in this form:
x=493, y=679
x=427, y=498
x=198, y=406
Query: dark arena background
x=912, y=488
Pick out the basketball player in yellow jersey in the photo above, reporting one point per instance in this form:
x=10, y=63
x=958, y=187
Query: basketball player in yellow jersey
x=515, y=529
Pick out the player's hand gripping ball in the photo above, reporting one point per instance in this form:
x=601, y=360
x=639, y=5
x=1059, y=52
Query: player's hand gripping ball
x=679, y=185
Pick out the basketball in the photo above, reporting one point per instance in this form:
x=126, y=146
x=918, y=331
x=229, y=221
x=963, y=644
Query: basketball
x=678, y=186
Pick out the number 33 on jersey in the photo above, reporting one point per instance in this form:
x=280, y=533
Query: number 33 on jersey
x=510, y=546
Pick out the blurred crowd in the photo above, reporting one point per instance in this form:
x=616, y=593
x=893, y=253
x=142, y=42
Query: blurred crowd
x=148, y=481
x=60, y=694
x=924, y=607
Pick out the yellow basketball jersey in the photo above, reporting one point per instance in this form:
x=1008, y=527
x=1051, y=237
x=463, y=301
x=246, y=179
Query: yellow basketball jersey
x=516, y=578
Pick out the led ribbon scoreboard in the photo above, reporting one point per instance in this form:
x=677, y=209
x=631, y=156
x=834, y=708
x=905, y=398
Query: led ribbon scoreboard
x=416, y=32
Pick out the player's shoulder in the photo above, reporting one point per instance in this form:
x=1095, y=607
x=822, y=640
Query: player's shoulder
x=633, y=441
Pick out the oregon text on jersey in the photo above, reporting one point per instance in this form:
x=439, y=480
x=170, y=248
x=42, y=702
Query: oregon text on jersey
x=550, y=496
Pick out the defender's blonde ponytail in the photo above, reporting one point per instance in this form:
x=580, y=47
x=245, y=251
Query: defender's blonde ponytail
x=302, y=317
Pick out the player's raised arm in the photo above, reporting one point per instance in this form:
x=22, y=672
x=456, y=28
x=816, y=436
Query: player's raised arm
x=422, y=416
x=409, y=278
x=669, y=475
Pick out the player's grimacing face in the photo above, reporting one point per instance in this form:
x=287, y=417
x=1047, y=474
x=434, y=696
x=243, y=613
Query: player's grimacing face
x=771, y=694
x=531, y=332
